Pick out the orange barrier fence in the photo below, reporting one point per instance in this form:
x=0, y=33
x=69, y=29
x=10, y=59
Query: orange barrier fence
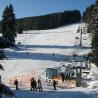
x=24, y=80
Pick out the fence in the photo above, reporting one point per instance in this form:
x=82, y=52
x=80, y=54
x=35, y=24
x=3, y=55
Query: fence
x=24, y=80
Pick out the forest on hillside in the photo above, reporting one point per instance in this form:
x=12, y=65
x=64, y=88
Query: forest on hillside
x=48, y=21
x=90, y=16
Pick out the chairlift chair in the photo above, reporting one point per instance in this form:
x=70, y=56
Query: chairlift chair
x=84, y=38
x=76, y=37
x=83, y=32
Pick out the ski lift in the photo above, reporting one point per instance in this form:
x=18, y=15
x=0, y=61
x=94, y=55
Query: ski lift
x=74, y=54
x=83, y=29
x=88, y=65
x=84, y=42
x=78, y=30
x=84, y=38
x=76, y=37
x=76, y=40
x=83, y=32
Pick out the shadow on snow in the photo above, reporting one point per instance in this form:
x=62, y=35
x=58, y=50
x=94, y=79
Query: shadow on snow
x=55, y=94
x=52, y=46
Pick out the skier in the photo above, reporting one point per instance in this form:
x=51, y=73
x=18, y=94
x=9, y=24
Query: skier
x=33, y=84
x=53, y=54
x=39, y=85
x=54, y=84
x=16, y=84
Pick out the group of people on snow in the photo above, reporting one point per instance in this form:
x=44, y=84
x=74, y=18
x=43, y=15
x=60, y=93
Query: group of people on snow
x=35, y=85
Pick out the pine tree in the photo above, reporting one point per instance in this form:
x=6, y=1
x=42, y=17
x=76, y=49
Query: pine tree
x=95, y=33
x=8, y=24
x=1, y=67
x=2, y=55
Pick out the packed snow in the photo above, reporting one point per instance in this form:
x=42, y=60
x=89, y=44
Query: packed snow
x=41, y=49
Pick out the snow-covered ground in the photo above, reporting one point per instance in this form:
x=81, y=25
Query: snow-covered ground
x=76, y=93
x=35, y=54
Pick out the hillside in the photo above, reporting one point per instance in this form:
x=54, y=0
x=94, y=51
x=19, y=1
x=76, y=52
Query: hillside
x=37, y=48
x=35, y=54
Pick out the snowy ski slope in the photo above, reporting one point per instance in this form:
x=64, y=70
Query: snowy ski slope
x=35, y=54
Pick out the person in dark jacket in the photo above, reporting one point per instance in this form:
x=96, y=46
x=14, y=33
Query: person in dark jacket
x=54, y=84
x=39, y=85
x=63, y=77
x=33, y=84
x=16, y=84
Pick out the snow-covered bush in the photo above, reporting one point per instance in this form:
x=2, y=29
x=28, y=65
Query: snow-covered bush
x=2, y=55
x=6, y=91
x=5, y=43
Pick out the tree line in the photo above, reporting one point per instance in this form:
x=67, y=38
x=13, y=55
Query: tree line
x=48, y=21
x=90, y=16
